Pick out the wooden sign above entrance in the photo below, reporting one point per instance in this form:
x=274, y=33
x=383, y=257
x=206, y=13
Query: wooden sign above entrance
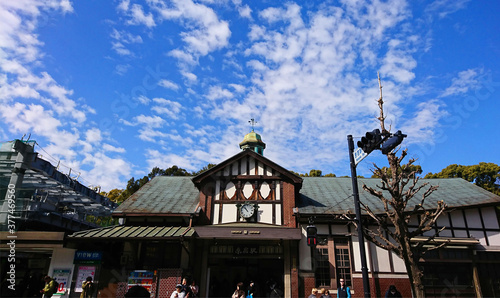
x=246, y=250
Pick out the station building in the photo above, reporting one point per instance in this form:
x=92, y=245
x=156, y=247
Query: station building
x=245, y=220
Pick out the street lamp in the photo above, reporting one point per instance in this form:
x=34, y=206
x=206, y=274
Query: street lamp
x=373, y=140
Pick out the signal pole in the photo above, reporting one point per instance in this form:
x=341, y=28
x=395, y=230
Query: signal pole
x=361, y=238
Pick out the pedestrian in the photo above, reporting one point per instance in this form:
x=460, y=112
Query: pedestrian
x=392, y=292
x=314, y=291
x=194, y=289
x=186, y=289
x=87, y=288
x=50, y=287
x=326, y=294
x=239, y=292
x=344, y=290
x=178, y=293
x=252, y=290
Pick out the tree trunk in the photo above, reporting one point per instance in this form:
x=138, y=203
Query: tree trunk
x=414, y=272
x=417, y=287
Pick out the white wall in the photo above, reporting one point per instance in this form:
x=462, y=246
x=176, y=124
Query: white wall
x=304, y=251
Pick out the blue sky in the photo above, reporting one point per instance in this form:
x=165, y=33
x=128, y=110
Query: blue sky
x=114, y=88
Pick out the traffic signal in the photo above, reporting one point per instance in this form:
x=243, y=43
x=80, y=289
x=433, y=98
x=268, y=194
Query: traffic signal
x=370, y=141
x=392, y=142
x=312, y=233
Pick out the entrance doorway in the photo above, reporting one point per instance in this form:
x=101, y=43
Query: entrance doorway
x=226, y=273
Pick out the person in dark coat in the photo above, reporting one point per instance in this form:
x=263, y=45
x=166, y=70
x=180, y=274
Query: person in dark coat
x=392, y=292
x=343, y=291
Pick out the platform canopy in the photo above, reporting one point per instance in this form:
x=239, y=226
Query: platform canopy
x=43, y=189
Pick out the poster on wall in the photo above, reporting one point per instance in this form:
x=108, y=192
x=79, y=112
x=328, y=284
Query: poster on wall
x=62, y=276
x=83, y=273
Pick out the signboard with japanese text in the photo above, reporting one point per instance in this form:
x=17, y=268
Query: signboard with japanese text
x=83, y=273
x=61, y=276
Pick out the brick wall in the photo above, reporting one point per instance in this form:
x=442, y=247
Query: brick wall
x=309, y=283
x=378, y=286
x=295, y=283
x=288, y=204
x=167, y=280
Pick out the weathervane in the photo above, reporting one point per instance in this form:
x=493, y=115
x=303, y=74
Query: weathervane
x=252, y=122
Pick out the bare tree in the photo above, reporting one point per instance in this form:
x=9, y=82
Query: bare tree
x=398, y=193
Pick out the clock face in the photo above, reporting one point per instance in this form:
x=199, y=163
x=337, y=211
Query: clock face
x=247, y=211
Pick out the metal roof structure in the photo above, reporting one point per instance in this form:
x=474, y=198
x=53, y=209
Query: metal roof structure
x=134, y=232
x=42, y=191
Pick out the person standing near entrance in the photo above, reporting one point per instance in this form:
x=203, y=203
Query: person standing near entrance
x=239, y=293
x=50, y=287
x=87, y=288
x=251, y=290
x=178, y=292
x=186, y=289
x=343, y=291
x=194, y=288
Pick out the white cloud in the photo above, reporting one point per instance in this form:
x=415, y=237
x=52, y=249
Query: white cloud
x=149, y=134
x=126, y=37
x=143, y=99
x=107, y=147
x=167, y=107
x=206, y=32
x=93, y=135
x=398, y=62
x=245, y=12
x=466, y=80
x=120, y=38
x=443, y=8
x=189, y=75
x=138, y=17
x=164, y=160
x=169, y=84
x=150, y=121
x=124, y=5
x=105, y=171
x=120, y=49
x=122, y=69
x=238, y=88
x=422, y=126
x=216, y=92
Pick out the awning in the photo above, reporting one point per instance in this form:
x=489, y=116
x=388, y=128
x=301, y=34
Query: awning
x=248, y=233
x=133, y=233
x=257, y=232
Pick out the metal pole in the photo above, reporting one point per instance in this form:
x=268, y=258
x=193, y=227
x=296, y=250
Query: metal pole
x=361, y=238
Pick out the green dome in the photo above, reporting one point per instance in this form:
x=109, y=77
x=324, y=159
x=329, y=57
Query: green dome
x=254, y=142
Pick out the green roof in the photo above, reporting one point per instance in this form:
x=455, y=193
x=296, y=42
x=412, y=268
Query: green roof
x=161, y=195
x=318, y=195
x=321, y=195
